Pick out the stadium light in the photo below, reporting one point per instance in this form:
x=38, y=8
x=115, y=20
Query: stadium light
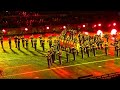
x=99, y=24
x=94, y=25
x=64, y=27
x=113, y=32
x=86, y=33
x=113, y=38
x=109, y=25
x=99, y=32
x=26, y=29
x=114, y=24
x=47, y=27
x=3, y=31
x=83, y=25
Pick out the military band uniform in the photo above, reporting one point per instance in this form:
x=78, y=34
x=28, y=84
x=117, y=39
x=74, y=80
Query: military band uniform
x=35, y=44
x=23, y=41
x=15, y=39
x=88, y=50
x=79, y=37
x=52, y=54
x=1, y=39
x=101, y=42
x=9, y=40
x=40, y=37
x=26, y=43
x=67, y=54
x=19, y=43
x=31, y=37
x=43, y=44
x=58, y=44
x=64, y=36
x=82, y=51
x=115, y=44
x=94, y=49
x=49, y=59
x=117, y=50
x=98, y=45
x=106, y=49
x=74, y=53
x=50, y=43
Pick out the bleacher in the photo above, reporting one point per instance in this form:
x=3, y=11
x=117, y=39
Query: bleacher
x=15, y=21
x=10, y=19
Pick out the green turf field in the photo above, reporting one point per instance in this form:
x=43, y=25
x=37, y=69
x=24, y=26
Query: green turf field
x=31, y=64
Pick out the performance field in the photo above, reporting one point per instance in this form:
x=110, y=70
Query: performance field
x=32, y=64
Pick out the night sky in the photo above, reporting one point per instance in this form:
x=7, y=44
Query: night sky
x=60, y=5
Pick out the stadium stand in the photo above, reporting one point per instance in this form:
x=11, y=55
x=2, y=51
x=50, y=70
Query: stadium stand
x=36, y=22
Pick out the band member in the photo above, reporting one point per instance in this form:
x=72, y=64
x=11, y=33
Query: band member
x=58, y=44
x=50, y=42
x=15, y=40
x=43, y=44
x=117, y=50
x=88, y=50
x=9, y=40
x=35, y=44
x=101, y=44
x=26, y=40
x=1, y=39
x=40, y=37
x=53, y=53
x=106, y=48
x=98, y=44
x=80, y=37
x=67, y=54
x=94, y=48
x=49, y=59
x=74, y=53
x=60, y=56
x=19, y=43
x=115, y=44
x=31, y=37
x=23, y=41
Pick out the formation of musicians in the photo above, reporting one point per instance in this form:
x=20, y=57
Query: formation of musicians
x=69, y=41
x=79, y=44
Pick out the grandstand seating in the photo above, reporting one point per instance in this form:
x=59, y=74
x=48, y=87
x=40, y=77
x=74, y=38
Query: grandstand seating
x=37, y=21
x=21, y=18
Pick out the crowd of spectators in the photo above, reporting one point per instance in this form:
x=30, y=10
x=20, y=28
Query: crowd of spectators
x=15, y=22
x=15, y=19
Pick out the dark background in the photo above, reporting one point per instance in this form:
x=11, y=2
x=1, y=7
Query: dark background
x=60, y=5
